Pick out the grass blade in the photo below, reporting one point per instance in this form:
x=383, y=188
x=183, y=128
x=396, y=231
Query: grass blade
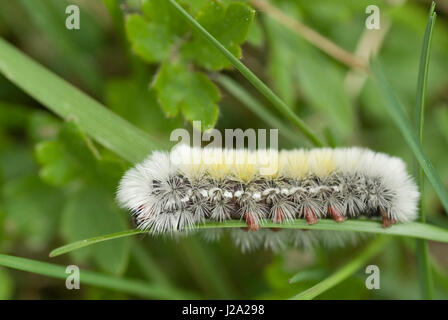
x=68, y=102
x=396, y=111
x=423, y=72
x=424, y=266
x=346, y=271
x=251, y=77
x=311, y=274
x=411, y=229
x=84, y=243
x=130, y=286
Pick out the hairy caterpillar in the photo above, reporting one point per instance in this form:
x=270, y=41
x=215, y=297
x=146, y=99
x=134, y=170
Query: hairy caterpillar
x=175, y=191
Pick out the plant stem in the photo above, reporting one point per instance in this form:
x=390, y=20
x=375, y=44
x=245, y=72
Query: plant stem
x=252, y=78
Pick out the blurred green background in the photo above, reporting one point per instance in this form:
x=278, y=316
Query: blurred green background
x=57, y=186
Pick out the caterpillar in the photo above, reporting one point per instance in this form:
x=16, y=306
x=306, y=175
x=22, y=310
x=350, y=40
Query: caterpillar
x=174, y=191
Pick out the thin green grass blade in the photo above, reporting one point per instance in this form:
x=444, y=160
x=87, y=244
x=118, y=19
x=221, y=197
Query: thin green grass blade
x=396, y=111
x=312, y=274
x=251, y=77
x=84, y=243
x=411, y=229
x=423, y=262
x=422, y=82
x=70, y=103
x=256, y=107
x=344, y=272
x=130, y=286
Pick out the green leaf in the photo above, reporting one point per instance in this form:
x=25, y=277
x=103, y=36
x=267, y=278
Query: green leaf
x=193, y=6
x=190, y=92
x=150, y=41
x=70, y=103
x=131, y=286
x=229, y=26
x=154, y=34
x=161, y=13
x=92, y=211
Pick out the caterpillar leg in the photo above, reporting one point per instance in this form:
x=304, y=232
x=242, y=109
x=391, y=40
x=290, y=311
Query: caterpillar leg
x=310, y=216
x=252, y=224
x=386, y=221
x=278, y=218
x=336, y=214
